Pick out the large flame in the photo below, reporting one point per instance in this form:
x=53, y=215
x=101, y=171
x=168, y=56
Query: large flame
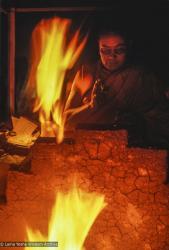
x=51, y=57
x=72, y=217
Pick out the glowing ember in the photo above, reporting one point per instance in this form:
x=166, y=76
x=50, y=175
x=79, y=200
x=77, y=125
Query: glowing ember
x=51, y=57
x=72, y=217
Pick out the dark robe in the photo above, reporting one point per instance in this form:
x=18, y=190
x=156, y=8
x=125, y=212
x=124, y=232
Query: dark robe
x=129, y=98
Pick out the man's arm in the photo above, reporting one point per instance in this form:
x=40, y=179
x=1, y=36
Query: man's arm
x=75, y=106
x=154, y=108
x=75, y=103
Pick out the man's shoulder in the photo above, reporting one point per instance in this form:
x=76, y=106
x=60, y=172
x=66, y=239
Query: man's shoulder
x=141, y=73
x=145, y=78
x=135, y=69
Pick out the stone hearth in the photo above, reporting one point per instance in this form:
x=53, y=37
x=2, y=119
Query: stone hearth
x=137, y=211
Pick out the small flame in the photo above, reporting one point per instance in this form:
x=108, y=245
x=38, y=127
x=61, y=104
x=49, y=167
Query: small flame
x=51, y=58
x=72, y=217
x=82, y=82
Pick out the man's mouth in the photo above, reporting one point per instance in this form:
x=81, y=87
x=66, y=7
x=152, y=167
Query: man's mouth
x=112, y=64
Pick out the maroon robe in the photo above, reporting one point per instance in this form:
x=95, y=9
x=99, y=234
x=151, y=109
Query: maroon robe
x=126, y=95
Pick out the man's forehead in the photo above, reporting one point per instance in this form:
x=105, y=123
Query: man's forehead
x=111, y=41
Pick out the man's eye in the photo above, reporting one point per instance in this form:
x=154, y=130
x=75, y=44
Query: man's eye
x=117, y=51
x=106, y=51
x=120, y=51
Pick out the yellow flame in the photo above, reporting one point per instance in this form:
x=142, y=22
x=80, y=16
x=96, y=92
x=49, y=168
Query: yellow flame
x=72, y=217
x=51, y=58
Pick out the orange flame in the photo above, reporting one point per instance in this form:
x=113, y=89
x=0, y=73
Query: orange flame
x=82, y=82
x=51, y=58
x=72, y=217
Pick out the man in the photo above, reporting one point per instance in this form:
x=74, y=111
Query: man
x=116, y=93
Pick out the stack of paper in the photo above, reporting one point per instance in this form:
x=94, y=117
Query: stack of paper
x=22, y=134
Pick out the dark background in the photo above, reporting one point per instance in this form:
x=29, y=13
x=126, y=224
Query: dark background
x=146, y=24
x=4, y=96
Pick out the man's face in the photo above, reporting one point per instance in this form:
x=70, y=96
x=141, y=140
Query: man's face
x=112, y=49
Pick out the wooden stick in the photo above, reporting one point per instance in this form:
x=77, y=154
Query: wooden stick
x=54, y=9
x=11, y=59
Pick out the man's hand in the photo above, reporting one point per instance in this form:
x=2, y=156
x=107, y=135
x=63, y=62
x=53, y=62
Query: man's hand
x=93, y=102
x=97, y=95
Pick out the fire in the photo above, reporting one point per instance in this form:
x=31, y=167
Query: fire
x=82, y=82
x=72, y=217
x=52, y=55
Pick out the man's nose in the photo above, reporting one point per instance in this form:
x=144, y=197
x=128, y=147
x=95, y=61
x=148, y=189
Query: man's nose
x=112, y=56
